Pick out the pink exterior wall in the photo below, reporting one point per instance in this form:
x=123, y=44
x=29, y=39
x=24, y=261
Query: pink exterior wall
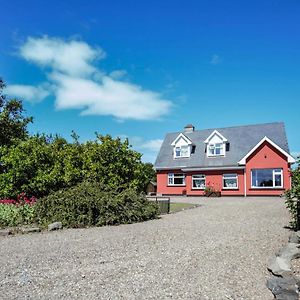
x=266, y=156
x=213, y=178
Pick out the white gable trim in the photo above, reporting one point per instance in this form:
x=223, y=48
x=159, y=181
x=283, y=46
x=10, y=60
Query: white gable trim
x=217, y=133
x=181, y=135
x=290, y=158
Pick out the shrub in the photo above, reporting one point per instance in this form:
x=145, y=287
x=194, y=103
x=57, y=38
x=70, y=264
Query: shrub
x=16, y=215
x=89, y=204
x=292, y=196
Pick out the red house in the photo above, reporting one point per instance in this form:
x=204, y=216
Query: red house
x=242, y=160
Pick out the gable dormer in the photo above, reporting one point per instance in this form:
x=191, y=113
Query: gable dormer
x=215, y=144
x=182, y=146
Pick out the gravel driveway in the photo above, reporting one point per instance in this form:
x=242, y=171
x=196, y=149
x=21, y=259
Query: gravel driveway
x=216, y=251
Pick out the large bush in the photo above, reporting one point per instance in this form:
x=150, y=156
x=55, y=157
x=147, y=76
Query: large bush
x=88, y=204
x=41, y=165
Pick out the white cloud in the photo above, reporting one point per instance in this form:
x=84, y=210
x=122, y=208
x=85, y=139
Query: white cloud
x=28, y=92
x=73, y=57
x=215, y=59
x=78, y=83
x=153, y=145
x=149, y=148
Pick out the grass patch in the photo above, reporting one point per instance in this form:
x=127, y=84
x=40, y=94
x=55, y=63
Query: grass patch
x=176, y=207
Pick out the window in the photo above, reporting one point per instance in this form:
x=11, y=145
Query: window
x=183, y=151
x=266, y=178
x=230, y=181
x=198, y=181
x=176, y=179
x=216, y=149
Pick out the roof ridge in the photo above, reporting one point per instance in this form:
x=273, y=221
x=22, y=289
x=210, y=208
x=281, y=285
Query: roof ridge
x=236, y=126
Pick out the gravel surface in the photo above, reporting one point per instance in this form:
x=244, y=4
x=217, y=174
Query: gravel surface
x=216, y=251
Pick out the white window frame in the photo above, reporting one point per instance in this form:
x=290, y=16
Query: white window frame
x=274, y=172
x=182, y=156
x=213, y=146
x=203, y=178
x=172, y=176
x=234, y=176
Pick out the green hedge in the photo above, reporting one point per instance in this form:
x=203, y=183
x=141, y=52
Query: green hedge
x=88, y=204
x=13, y=215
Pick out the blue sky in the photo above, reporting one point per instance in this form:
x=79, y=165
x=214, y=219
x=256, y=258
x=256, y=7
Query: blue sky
x=144, y=68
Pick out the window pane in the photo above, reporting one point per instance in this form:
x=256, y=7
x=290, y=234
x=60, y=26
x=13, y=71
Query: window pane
x=230, y=183
x=177, y=151
x=262, y=178
x=218, y=151
x=199, y=183
x=278, y=180
x=178, y=180
x=184, y=151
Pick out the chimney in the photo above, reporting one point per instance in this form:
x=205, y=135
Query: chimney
x=189, y=128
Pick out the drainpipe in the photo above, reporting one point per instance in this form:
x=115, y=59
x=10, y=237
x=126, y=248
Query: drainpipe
x=245, y=182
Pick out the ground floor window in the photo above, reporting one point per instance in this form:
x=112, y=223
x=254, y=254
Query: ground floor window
x=198, y=181
x=176, y=179
x=266, y=178
x=230, y=181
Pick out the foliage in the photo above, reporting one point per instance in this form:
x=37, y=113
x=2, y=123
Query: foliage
x=13, y=123
x=90, y=204
x=17, y=212
x=43, y=164
x=293, y=195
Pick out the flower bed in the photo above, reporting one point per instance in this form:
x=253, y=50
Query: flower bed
x=15, y=212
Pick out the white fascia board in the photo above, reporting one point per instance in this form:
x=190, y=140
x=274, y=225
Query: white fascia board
x=290, y=158
x=217, y=133
x=181, y=135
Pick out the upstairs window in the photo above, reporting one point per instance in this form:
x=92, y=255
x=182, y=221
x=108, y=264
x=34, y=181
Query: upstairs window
x=176, y=179
x=183, y=151
x=216, y=144
x=267, y=178
x=216, y=149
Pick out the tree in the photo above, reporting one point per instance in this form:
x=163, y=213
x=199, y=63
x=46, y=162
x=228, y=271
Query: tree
x=13, y=123
x=43, y=164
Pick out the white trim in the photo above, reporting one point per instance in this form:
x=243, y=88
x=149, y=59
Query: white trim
x=182, y=156
x=273, y=179
x=200, y=188
x=217, y=133
x=181, y=135
x=183, y=176
x=290, y=158
x=230, y=187
x=222, y=149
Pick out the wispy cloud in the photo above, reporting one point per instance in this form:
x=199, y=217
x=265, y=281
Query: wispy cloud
x=76, y=82
x=215, y=59
x=30, y=93
x=149, y=148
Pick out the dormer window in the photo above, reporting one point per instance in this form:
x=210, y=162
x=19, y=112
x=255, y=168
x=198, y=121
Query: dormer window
x=183, y=151
x=216, y=144
x=216, y=149
x=182, y=146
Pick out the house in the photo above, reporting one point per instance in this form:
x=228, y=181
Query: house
x=243, y=160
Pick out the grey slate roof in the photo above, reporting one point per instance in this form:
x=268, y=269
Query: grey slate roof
x=241, y=138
